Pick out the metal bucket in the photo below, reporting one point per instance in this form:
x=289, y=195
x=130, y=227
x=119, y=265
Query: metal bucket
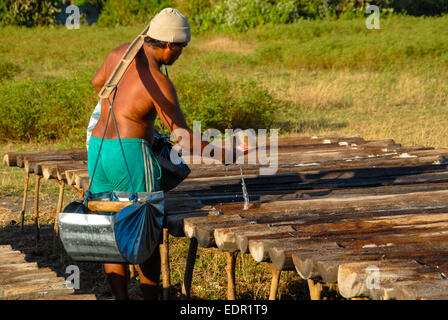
x=90, y=236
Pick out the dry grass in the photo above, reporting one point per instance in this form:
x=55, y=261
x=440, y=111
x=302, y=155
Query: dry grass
x=226, y=44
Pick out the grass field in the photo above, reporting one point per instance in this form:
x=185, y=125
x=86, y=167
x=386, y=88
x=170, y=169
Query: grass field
x=310, y=78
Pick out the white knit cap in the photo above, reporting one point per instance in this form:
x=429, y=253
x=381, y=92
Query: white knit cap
x=169, y=25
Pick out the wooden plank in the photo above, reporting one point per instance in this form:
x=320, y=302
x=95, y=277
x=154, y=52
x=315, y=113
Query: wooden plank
x=9, y=256
x=5, y=247
x=294, y=210
x=29, y=277
x=317, y=140
x=70, y=297
x=324, y=263
x=375, y=279
x=35, y=290
x=80, y=154
x=10, y=159
x=384, y=160
x=237, y=237
x=7, y=267
x=82, y=181
x=13, y=273
x=55, y=170
x=295, y=182
x=306, y=160
x=225, y=238
x=421, y=290
x=32, y=164
x=71, y=175
x=259, y=249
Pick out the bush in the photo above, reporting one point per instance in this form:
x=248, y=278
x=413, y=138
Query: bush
x=128, y=12
x=221, y=104
x=28, y=13
x=241, y=15
x=45, y=110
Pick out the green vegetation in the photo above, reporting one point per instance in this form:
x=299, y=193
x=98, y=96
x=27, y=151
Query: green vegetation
x=307, y=77
x=205, y=15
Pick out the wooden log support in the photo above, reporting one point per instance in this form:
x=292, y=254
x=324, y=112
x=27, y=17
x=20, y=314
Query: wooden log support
x=25, y=195
x=189, y=267
x=36, y=206
x=275, y=281
x=230, y=269
x=315, y=288
x=59, y=206
x=165, y=265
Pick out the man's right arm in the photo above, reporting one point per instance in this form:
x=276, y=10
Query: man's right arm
x=169, y=111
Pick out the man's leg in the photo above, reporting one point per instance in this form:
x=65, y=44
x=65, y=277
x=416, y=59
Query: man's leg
x=117, y=277
x=149, y=273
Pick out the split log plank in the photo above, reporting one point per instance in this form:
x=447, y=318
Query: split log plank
x=325, y=262
x=13, y=159
x=37, y=286
x=71, y=154
x=421, y=290
x=259, y=249
x=226, y=238
x=293, y=210
x=55, y=170
x=357, y=280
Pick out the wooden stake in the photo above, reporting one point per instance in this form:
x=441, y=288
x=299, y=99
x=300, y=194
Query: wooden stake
x=36, y=206
x=59, y=206
x=25, y=195
x=274, y=282
x=165, y=264
x=315, y=288
x=231, y=259
x=189, y=267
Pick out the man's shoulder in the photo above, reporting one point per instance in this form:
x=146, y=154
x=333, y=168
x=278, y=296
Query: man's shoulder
x=120, y=50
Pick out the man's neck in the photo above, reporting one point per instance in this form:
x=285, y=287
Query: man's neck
x=153, y=56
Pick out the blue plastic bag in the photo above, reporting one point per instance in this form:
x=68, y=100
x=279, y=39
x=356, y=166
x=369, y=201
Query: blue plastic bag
x=130, y=235
x=138, y=230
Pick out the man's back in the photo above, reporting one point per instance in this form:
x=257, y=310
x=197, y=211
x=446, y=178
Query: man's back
x=142, y=91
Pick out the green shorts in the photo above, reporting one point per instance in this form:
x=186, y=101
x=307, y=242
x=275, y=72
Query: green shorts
x=111, y=173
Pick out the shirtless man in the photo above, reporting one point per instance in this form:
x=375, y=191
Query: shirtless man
x=143, y=93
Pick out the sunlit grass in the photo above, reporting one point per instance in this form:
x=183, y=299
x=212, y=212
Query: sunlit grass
x=335, y=77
